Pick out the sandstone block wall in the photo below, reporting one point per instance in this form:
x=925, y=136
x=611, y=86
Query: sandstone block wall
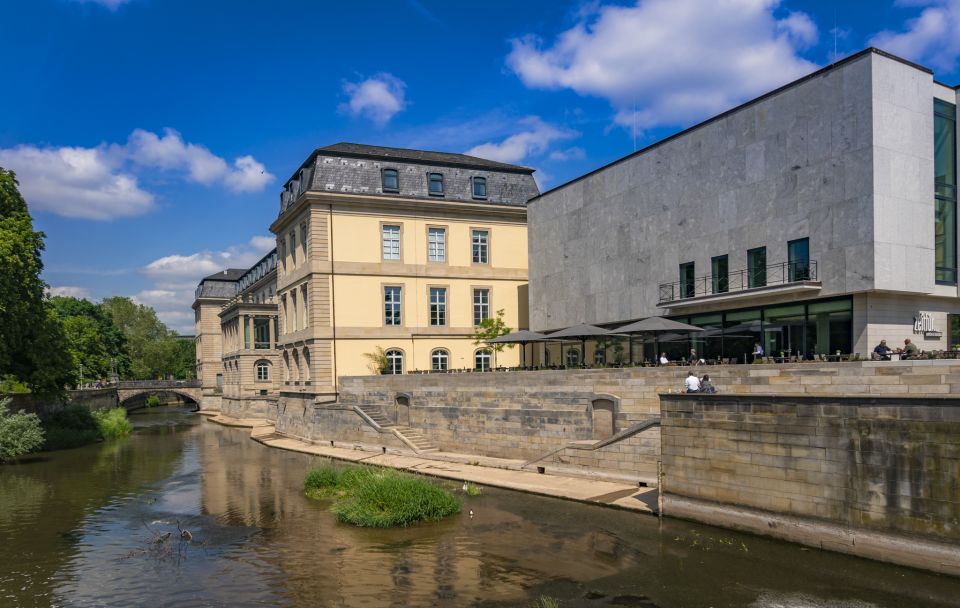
x=883, y=464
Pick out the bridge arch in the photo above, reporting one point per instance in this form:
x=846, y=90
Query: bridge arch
x=127, y=392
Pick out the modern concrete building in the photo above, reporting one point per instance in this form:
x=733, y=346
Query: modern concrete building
x=406, y=251
x=820, y=217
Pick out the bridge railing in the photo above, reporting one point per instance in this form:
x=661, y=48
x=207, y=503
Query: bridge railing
x=158, y=384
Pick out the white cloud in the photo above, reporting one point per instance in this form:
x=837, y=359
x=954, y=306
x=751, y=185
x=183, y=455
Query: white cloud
x=170, y=152
x=102, y=183
x=175, y=277
x=76, y=182
x=377, y=98
x=932, y=38
x=675, y=61
x=70, y=291
x=263, y=244
x=575, y=153
x=535, y=138
x=110, y=4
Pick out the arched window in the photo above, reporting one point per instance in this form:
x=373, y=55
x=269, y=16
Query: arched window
x=263, y=370
x=481, y=360
x=573, y=357
x=306, y=363
x=439, y=360
x=394, y=361
x=599, y=356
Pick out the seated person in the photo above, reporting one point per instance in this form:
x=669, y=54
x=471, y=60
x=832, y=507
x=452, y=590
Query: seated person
x=910, y=350
x=694, y=359
x=692, y=383
x=706, y=386
x=663, y=359
x=882, y=351
x=757, y=351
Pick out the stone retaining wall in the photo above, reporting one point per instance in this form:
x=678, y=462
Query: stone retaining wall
x=874, y=476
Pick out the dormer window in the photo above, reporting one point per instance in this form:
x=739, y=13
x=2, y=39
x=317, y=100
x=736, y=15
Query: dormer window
x=480, y=187
x=436, y=184
x=391, y=180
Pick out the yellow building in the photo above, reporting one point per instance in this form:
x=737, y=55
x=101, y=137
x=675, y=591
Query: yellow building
x=402, y=250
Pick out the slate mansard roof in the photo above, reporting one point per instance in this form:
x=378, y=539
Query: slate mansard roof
x=350, y=168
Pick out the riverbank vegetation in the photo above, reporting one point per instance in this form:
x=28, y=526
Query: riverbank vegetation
x=380, y=498
x=20, y=433
x=75, y=426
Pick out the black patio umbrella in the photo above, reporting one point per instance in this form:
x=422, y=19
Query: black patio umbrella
x=655, y=326
x=521, y=337
x=581, y=332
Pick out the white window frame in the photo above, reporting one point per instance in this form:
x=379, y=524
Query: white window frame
x=436, y=244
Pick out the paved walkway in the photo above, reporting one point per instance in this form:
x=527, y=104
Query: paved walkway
x=482, y=470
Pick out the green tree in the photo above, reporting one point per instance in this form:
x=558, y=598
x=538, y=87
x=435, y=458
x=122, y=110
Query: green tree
x=20, y=433
x=490, y=328
x=32, y=344
x=155, y=351
x=94, y=341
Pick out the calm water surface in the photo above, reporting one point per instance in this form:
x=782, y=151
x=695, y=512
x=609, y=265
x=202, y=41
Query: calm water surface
x=89, y=527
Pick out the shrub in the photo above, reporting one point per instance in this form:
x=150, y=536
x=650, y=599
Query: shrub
x=20, y=433
x=380, y=498
x=113, y=423
x=61, y=438
x=73, y=417
x=153, y=401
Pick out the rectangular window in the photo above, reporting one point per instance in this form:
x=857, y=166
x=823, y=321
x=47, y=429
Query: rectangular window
x=437, y=244
x=391, y=242
x=261, y=333
x=303, y=238
x=392, y=303
x=436, y=184
x=480, y=246
x=945, y=184
x=438, y=306
x=953, y=332
x=687, y=280
x=391, y=180
x=481, y=305
x=720, y=274
x=798, y=260
x=293, y=249
x=480, y=187
x=306, y=309
x=757, y=267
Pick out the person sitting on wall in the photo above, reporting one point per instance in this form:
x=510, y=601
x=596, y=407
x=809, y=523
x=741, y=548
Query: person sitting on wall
x=663, y=359
x=882, y=351
x=692, y=383
x=706, y=386
x=757, y=352
x=910, y=350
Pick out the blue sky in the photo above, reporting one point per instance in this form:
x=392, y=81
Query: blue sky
x=151, y=137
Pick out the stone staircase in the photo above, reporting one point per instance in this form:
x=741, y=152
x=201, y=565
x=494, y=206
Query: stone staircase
x=415, y=438
x=409, y=436
x=376, y=414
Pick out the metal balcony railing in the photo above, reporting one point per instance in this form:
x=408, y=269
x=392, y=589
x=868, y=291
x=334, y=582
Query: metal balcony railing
x=739, y=280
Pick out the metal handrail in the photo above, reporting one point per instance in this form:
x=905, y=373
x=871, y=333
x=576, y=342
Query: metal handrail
x=740, y=280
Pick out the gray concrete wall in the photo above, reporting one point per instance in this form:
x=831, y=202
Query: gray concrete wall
x=875, y=476
x=843, y=158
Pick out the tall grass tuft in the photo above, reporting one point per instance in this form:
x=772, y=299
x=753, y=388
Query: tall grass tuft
x=380, y=498
x=113, y=423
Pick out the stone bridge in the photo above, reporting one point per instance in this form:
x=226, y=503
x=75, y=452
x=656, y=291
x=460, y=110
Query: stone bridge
x=185, y=388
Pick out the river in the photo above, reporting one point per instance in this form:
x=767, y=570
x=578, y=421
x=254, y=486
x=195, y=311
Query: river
x=89, y=527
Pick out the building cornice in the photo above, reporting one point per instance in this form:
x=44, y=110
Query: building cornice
x=383, y=205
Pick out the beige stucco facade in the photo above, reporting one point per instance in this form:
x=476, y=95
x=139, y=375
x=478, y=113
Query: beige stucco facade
x=331, y=291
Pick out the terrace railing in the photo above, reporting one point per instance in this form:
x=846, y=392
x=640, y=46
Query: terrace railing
x=739, y=280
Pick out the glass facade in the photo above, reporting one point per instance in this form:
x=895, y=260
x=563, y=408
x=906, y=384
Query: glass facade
x=945, y=176
x=800, y=329
x=757, y=267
